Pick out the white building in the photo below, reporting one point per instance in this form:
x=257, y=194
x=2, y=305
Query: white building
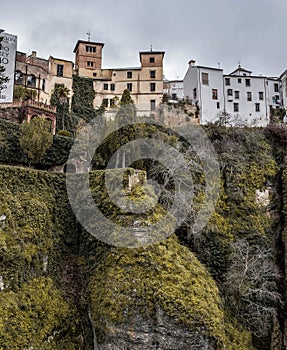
x=203, y=86
x=176, y=89
x=238, y=98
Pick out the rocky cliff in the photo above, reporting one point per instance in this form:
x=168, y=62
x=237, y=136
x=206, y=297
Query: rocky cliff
x=61, y=288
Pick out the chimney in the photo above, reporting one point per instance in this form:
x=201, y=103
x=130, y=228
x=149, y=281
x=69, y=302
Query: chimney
x=33, y=54
x=192, y=63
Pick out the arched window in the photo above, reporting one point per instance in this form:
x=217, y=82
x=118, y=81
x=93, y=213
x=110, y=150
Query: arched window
x=18, y=77
x=31, y=80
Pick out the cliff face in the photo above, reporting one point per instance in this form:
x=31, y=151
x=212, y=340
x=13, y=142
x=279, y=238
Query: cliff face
x=61, y=288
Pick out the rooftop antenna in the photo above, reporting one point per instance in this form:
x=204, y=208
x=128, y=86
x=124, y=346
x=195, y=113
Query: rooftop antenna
x=239, y=64
x=218, y=65
x=151, y=47
x=89, y=35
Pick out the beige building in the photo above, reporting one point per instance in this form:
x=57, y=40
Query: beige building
x=145, y=83
x=41, y=75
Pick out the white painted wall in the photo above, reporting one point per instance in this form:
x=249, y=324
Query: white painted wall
x=247, y=114
x=176, y=87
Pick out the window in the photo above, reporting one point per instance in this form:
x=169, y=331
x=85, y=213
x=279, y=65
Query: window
x=257, y=107
x=236, y=94
x=31, y=80
x=105, y=102
x=60, y=70
x=152, y=74
x=276, y=99
x=276, y=87
x=129, y=75
x=112, y=87
x=249, y=96
x=106, y=86
x=19, y=77
x=152, y=105
x=239, y=80
x=151, y=60
x=112, y=102
x=214, y=94
x=227, y=81
x=229, y=92
x=195, y=94
x=130, y=86
x=260, y=95
x=236, y=107
x=218, y=105
x=43, y=84
x=91, y=49
x=90, y=64
x=94, y=74
x=247, y=82
x=152, y=86
x=204, y=78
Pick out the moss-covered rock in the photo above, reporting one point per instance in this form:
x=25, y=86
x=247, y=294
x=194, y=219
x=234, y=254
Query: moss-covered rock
x=166, y=277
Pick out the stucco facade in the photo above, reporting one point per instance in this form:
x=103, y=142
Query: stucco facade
x=41, y=75
x=145, y=83
x=238, y=98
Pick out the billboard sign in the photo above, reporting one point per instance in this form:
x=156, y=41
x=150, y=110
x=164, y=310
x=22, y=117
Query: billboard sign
x=8, y=47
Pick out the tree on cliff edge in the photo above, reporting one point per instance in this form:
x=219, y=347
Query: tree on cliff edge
x=36, y=139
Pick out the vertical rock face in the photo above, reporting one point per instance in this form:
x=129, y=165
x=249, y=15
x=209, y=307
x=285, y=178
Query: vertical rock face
x=160, y=334
x=167, y=296
x=159, y=297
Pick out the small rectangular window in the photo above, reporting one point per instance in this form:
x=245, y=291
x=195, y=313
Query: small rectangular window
x=261, y=95
x=90, y=49
x=239, y=80
x=94, y=74
x=112, y=87
x=218, y=105
x=236, y=94
x=90, y=64
x=229, y=92
x=60, y=70
x=112, y=102
x=227, y=81
x=105, y=102
x=236, y=107
x=214, y=94
x=152, y=74
x=152, y=86
x=151, y=60
x=276, y=87
x=249, y=96
x=257, y=107
x=205, y=78
x=130, y=86
x=194, y=94
x=129, y=75
x=106, y=86
x=152, y=105
x=247, y=82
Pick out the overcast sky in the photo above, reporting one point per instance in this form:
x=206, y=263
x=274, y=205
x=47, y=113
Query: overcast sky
x=212, y=32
